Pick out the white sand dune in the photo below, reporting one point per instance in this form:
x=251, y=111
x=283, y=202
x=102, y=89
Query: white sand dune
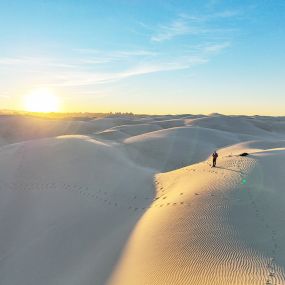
x=67, y=207
x=20, y=128
x=135, y=201
x=126, y=131
x=210, y=227
x=177, y=147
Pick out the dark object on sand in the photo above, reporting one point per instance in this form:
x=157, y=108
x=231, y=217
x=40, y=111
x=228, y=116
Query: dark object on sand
x=244, y=154
x=215, y=156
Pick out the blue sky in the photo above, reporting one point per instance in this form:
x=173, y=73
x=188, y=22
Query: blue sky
x=146, y=56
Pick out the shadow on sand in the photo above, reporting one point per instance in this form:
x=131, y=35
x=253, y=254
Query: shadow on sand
x=237, y=171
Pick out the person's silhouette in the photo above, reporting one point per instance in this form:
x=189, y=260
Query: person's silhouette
x=215, y=156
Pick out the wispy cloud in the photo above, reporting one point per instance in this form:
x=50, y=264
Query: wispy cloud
x=216, y=48
x=29, y=61
x=186, y=24
x=89, y=78
x=82, y=75
x=176, y=28
x=81, y=57
x=118, y=53
x=85, y=78
x=94, y=56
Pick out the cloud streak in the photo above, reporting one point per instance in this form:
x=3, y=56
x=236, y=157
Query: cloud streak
x=81, y=75
x=216, y=48
x=178, y=27
x=94, y=56
x=92, y=78
x=195, y=25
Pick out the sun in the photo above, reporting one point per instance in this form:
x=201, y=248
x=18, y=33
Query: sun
x=41, y=100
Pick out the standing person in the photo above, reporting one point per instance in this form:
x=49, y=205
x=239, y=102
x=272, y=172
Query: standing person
x=215, y=156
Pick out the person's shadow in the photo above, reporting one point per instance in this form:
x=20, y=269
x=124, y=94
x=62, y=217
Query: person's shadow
x=230, y=169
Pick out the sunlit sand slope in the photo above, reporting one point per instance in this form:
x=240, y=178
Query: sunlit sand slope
x=213, y=226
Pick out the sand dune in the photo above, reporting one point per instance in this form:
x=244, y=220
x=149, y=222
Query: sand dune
x=241, y=125
x=20, y=128
x=177, y=147
x=209, y=227
x=125, y=201
x=60, y=211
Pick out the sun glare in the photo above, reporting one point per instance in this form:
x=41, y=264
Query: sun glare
x=41, y=100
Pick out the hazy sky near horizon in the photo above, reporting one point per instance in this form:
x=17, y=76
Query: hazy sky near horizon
x=145, y=56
